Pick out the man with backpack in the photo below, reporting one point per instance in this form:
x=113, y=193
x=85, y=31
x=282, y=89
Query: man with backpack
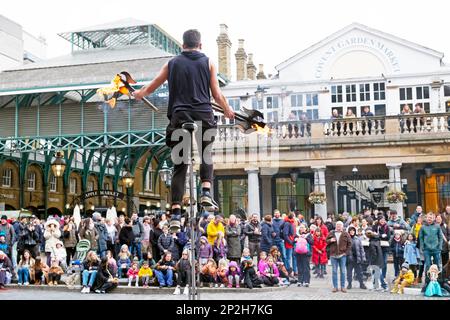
x=340, y=244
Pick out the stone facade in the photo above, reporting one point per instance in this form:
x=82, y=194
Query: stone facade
x=241, y=62
x=224, y=46
x=251, y=68
x=261, y=75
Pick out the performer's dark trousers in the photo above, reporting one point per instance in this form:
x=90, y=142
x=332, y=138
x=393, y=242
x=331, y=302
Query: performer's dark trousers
x=208, y=126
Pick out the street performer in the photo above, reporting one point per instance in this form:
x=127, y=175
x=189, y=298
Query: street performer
x=191, y=77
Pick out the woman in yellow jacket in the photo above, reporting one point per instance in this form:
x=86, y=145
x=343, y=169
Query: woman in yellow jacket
x=213, y=229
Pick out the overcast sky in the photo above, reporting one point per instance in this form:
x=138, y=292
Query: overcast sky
x=273, y=30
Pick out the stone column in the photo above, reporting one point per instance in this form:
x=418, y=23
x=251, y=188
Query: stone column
x=251, y=68
x=224, y=47
x=261, y=75
x=436, y=102
x=320, y=185
x=253, y=191
x=241, y=62
x=395, y=183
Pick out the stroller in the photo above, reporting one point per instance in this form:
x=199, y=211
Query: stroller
x=76, y=265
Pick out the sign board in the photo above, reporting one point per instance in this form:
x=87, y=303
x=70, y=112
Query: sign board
x=103, y=193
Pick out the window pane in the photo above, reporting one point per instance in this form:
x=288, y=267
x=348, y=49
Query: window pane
x=447, y=91
x=383, y=96
x=339, y=89
x=426, y=92
x=419, y=93
x=308, y=100
x=333, y=89
x=402, y=94
x=380, y=110
x=315, y=100
x=409, y=93
x=333, y=99
x=375, y=86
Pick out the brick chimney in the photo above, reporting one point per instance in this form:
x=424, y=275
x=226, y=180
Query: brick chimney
x=251, y=68
x=261, y=74
x=241, y=62
x=224, y=46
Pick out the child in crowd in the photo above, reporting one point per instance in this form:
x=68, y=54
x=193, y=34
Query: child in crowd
x=319, y=253
x=411, y=255
x=123, y=261
x=220, y=248
x=269, y=272
x=397, y=249
x=112, y=263
x=261, y=262
x=222, y=273
x=233, y=274
x=284, y=275
x=251, y=279
x=148, y=257
x=145, y=273
x=40, y=271
x=205, y=251
x=432, y=282
x=209, y=273
x=54, y=273
x=404, y=279
x=183, y=268
x=133, y=274
x=60, y=254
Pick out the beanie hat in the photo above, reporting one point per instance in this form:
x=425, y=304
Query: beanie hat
x=4, y=217
x=405, y=265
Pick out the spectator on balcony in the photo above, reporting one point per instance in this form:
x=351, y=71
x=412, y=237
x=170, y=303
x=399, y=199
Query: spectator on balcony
x=418, y=110
x=367, y=113
x=335, y=127
x=405, y=112
x=351, y=125
x=304, y=124
x=335, y=114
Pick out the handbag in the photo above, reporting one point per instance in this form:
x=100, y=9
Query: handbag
x=384, y=243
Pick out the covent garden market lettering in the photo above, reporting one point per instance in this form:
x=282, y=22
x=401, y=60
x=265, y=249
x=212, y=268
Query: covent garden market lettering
x=357, y=41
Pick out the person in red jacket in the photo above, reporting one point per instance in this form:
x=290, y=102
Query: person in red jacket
x=319, y=253
x=321, y=225
x=289, y=236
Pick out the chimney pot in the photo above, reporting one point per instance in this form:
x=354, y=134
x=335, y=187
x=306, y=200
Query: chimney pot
x=223, y=29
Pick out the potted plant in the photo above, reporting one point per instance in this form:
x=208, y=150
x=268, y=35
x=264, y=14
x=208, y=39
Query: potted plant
x=317, y=197
x=395, y=196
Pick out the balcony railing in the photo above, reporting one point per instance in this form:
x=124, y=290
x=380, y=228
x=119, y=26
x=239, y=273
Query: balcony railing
x=367, y=128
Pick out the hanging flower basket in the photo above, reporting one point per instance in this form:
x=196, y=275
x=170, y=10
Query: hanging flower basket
x=395, y=196
x=317, y=197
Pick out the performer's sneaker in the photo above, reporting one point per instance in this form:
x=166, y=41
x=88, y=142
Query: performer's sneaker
x=208, y=202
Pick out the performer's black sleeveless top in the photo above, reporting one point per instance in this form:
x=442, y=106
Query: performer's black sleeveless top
x=189, y=80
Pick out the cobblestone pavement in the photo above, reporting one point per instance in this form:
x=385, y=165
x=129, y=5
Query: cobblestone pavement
x=320, y=289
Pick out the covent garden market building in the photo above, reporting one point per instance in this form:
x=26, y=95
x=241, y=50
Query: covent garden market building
x=49, y=112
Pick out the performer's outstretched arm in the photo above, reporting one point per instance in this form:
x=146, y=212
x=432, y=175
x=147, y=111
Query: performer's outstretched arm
x=217, y=93
x=155, y=84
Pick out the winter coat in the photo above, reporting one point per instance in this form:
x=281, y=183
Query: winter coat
x=289, y=233
x=126, y=235
x=358, y=255
x=430, y=237
x=232, y=233
x=251, y=279
x=183, y=265
x=384, y=234
x=123, y=263
x=266, y=237
x=343, y=247
x=399, y=221
x=205, y=251
x=27, y=237
x=250, y=232
x=154, y=236
x=277, y=228
x=145, y=272
x=446, y=233
x=132, y=273
x=220, y=251
x=9, y=232
x=51, y=236
x=91, y=265
x=411, y=253
x=212, y=231
x=166, y=242
x=397, y=247
x=102, y=236
x=92, y=236
x=329, y=226
x=237, y=271
x=320, y=244
x=70, y=237
x=375, y=253
x=408, y=276
x=138, y=230
x=264, y=269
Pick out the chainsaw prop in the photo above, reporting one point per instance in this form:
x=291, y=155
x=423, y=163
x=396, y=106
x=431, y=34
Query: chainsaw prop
x=247, y=120
x=121, y=85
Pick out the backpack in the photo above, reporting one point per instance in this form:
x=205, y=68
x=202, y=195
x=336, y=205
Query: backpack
x=302, y=246
x=282, y=230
